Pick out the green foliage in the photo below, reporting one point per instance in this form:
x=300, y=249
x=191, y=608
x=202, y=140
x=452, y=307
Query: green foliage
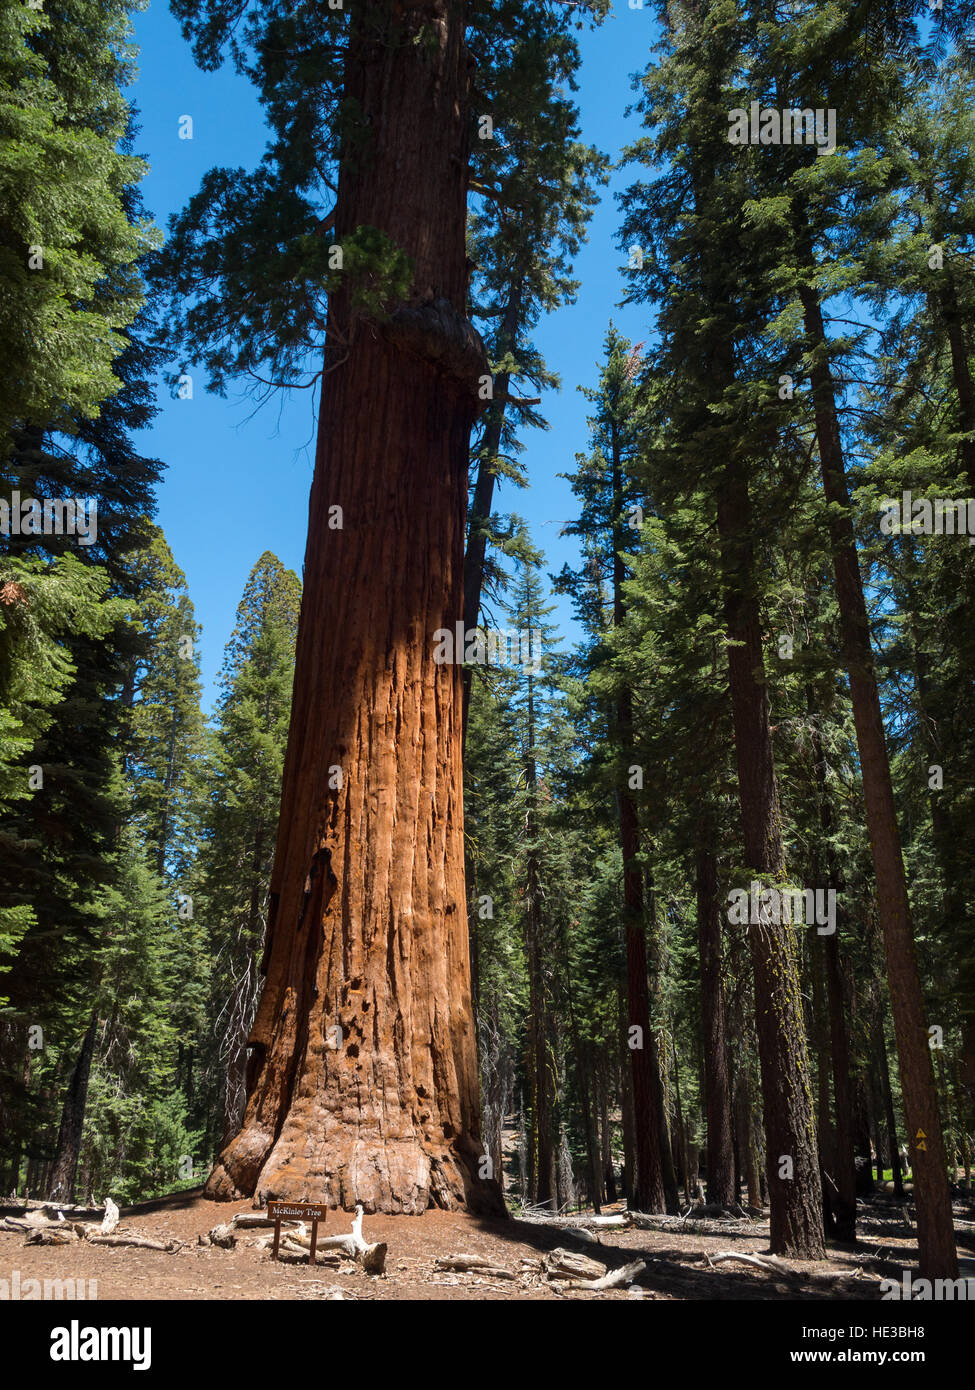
x=245, y=761
x=68, y=248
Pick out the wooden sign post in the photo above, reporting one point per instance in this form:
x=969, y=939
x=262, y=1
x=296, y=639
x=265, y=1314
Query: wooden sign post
x=297, y=1211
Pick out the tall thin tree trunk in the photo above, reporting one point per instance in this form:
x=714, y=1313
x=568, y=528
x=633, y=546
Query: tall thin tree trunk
x=541, y=1040
x=844, y=1162
x=825, y=1134
x=936, y=1237
x=887, y=1095
x=795, y=1194
x=717, y=1097
x=746, y=1141
x=65, y=1165
x=482, y=500
x=648, y=1193
x=657, y=1068
x=626, y=1102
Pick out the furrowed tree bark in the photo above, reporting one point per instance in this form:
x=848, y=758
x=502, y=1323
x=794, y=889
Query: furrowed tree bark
x=936, y=1239
x=796, y=1220
x=717, y=1100
x=363, y=1082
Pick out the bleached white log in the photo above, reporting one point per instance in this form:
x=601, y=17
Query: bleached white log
x=615, y=1279
x=618, y=1222
x=111, y=1217
x=769, y=1263
x=567, y=1264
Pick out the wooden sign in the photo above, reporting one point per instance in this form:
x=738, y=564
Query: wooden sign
x=297, y=1211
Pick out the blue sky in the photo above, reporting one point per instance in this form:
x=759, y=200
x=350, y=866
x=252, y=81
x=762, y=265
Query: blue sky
x=237, y=482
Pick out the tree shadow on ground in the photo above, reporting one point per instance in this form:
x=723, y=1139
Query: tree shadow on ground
x=685, y=1274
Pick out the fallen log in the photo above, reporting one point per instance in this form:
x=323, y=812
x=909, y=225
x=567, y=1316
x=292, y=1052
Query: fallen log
x=120, y=1238
x=770, y=1263
x=473, y=1264
x=60, y=1234
x=299, y=1254
x=248, y=1220
x=614, y=1279
x=566, y=1264
x=581, y=1221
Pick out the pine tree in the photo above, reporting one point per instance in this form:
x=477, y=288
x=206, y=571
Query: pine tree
x=606, y=485
x=243, y=780
x=535, y=185
x=701, y=273
x=68, y=246
x=808, y=207
x=164, y=742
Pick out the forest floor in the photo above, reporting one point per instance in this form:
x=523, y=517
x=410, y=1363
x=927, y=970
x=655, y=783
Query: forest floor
x=676, y=1252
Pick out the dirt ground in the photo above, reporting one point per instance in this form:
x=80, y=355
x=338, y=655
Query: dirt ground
x=676, y=1253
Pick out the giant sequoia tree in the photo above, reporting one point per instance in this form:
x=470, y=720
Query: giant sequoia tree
x=362, y=1081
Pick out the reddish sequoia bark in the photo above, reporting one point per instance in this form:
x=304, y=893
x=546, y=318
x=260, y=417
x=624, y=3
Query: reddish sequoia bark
x=368, y=930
